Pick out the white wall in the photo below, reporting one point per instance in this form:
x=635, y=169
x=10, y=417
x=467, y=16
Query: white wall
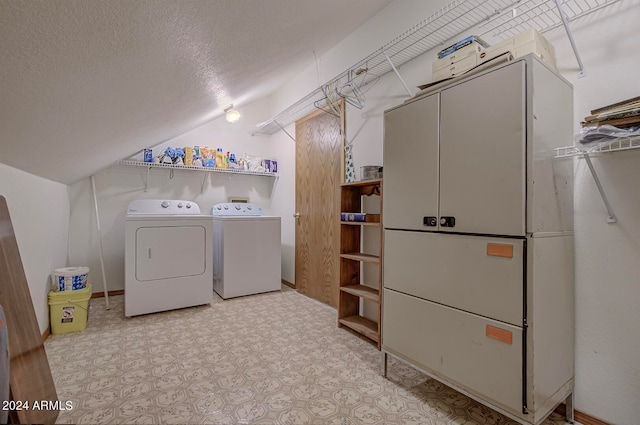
x=283, y=201
x=39, y=210
x=607, y=266
x=119, y=185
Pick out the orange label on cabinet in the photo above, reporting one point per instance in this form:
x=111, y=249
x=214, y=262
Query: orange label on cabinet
x=500, y=334
x=500, y=250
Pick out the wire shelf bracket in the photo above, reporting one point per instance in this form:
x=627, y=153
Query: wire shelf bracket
x=565, y=23
x=398, y=74
x=622, y=144
x=612, y=217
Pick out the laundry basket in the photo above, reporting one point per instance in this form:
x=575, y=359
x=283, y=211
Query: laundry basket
x=69, y=310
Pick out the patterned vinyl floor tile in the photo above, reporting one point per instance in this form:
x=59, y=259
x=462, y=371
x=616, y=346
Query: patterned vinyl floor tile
x=275, y=358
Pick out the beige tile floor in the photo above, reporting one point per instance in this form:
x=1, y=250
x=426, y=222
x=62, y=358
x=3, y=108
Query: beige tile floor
x=274, y=358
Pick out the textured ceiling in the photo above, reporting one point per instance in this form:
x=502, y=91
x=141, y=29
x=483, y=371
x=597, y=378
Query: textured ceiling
x=84, y=83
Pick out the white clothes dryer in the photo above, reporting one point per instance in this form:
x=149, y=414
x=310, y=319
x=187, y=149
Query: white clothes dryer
x=168, y=256
x=246, y=250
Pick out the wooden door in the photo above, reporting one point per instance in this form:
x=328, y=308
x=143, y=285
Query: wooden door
x=319, y=170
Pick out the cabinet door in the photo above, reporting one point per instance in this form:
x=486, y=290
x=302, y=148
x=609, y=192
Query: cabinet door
x=478, y=274
x=410, y=181
x=479, y=355
x=482, y=153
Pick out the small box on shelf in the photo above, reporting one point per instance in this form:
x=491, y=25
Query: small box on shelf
x=361, y=217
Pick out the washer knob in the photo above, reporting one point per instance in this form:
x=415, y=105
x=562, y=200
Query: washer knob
x=238, y=207
x=180, y=205
x=249, y=207
x=226, y=207
x=188, y=205
x=164, y=204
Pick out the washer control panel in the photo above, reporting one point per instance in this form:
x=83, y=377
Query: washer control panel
x=236, y=208
x=162, y=207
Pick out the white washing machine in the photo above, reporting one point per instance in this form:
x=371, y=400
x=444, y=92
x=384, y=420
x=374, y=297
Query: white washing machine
x=168, y=256
x=246, y=250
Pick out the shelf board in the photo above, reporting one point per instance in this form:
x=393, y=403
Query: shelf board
x=372, y=182
x=359, y=256
x=362, y=325
x=362, y=291
x=361, y=223
x=364, y=187
x=191, y=168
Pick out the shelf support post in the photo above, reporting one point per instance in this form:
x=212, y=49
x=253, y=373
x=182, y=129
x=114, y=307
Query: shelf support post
x=569, y=411
x=563, y=16
x=146, y=181
x=204, y=179
x=397, y=73
x=612, y=217
x=104, y=276
x=385, y=361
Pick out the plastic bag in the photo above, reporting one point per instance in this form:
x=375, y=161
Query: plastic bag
x=596, y=137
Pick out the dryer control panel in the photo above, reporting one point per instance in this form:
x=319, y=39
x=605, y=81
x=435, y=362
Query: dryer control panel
x=162, y=207
x=236, y=208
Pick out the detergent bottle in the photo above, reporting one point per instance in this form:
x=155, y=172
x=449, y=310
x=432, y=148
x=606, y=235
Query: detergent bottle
x=221, y=161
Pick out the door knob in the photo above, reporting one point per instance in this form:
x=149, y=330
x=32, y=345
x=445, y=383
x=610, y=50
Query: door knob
x=297, y=216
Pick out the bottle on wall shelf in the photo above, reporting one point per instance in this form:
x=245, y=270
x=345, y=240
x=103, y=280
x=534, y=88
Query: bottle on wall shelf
x=220, y=159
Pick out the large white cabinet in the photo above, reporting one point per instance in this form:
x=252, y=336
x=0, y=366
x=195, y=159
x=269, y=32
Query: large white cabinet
x=478, y=238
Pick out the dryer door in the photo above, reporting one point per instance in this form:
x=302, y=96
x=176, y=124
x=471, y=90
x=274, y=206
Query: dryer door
x=170, y=252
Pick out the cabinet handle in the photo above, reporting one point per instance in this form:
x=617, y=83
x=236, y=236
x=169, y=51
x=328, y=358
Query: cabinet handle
x=149, y=254
x=447, y=221
x=430, y=221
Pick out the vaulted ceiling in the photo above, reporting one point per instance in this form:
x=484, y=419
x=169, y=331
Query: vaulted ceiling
x=84, y=83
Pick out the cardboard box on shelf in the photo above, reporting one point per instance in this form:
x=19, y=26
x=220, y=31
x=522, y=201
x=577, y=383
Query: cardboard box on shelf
x=456, y=69
x=463, y=53
x=472, y=39
x=528, y=41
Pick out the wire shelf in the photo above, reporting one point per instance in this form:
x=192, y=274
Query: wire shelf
x=496, y=19
x=622, y=144
x=149, y=165
x=542, y=15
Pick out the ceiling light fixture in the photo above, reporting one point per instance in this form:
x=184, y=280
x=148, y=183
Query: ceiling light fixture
x=233, y=115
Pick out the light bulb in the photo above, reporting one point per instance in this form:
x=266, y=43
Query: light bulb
x=233, y=115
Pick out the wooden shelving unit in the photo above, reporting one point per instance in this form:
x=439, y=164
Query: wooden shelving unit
x=352, y=285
